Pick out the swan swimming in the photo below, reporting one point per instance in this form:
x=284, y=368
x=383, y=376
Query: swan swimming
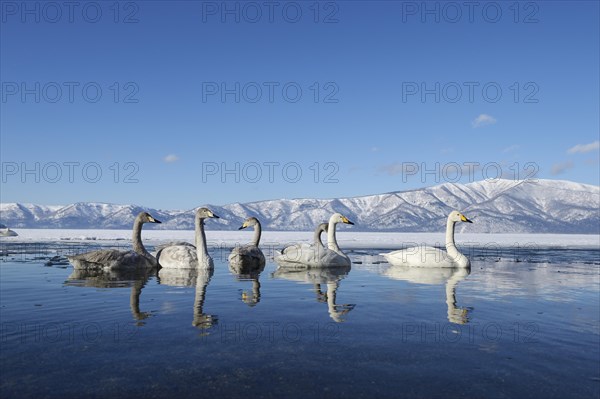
x=317, y=255
x=250, y=255
x=430, y=256
x=303, y=253
x=184, y=255
x=109, y=259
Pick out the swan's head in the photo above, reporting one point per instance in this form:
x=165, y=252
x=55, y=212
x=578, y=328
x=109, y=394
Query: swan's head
x=322, y=227
x=205, y=213
x=251, y=221
x=339, y=218
x=456, y=216
x=145, y=217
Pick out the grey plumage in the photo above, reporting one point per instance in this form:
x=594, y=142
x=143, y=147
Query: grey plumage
x=109, y=259
x=248, y=256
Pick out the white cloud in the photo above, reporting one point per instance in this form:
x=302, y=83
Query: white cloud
x=583, y=148
x=395, y=168
x=483, y=120
x=511, y=148
x=171, y=158
x=559, y=168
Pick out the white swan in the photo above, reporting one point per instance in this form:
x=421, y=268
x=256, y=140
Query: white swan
x=249, y=256
x=109, y=259
x=303, y=253
x=430, y=256
x=317, y=255
x=184, y=255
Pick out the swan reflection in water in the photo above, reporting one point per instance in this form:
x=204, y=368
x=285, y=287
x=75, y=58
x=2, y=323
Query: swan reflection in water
x=331, y=276
x=192, y=277
x=248, y=271
x=435, y=276
x=99, y=278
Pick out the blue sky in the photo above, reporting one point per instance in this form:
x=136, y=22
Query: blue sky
x=178, y=104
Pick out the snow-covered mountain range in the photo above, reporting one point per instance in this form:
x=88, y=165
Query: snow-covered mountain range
x=500, y=206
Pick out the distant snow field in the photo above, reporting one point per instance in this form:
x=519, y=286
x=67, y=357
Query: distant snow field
x=346, y=238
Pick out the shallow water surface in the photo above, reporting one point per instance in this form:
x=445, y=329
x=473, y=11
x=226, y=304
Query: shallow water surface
x=508, y=327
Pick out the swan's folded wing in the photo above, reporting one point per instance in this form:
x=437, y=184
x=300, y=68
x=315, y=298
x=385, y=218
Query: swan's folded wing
x=420, y=257
x=331, y=258
x=256, y=253
x=291, y=252
x=299, y=253
x=178, y=256
x=101, y=256
x=247, y=250
x=99, y=259
x=160, y=247
x=247, y=256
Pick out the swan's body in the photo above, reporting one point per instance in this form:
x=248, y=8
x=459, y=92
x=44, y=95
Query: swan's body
x=112, y=259
x=184, y=255
x=248, y=256
x=304, y=253
x=316, y=255
x=430, y=256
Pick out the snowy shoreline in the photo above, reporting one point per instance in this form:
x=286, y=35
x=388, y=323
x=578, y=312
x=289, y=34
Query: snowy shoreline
x=346, y=239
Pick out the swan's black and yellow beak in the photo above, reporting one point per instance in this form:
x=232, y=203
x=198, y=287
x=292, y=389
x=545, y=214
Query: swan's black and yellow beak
x=152, y=220
x=345, y=220
x=212, y=215
x=243, y=226
x=463, y=218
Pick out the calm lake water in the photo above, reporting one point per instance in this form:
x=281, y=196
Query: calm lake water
x=526, y=326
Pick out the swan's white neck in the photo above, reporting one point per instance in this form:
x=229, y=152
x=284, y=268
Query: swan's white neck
x=200, y=241
x=331, y=241
x=453, y=254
